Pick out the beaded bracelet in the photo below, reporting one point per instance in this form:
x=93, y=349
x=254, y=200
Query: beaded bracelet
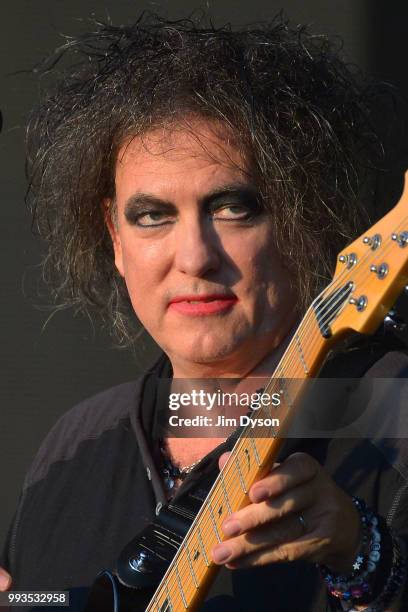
x=358, y=584
x=396, y=579
x=380, y=568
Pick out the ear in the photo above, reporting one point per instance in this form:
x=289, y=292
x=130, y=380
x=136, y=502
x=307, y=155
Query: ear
x=112, y=225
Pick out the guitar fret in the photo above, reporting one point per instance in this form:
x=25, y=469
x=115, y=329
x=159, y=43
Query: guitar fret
x=168, y=606
x=241, y=478
x=253, y=444
x=200, y=540
x=289, y=400
x=273, y=432
x=192, y=572
x=155, y=602
x=302, y=357
x=213, y=522
x=180, y=587
x=168, y=596
x=280, y=370
x=225, y=493
x=247, y=460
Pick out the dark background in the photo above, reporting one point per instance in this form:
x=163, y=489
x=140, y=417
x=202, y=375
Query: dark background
x=49, y=366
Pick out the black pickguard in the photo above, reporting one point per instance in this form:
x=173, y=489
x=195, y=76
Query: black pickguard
x=145, y=559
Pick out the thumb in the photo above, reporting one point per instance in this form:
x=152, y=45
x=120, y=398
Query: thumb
x=5, y=580
x=222, y=460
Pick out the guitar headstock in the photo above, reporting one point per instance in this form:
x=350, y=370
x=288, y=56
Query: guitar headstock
x=370, y=274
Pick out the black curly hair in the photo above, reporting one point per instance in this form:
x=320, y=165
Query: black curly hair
x=301, y=113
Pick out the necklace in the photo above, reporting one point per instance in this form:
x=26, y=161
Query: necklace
x=172, y=473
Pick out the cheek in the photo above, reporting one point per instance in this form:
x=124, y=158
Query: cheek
x=265, y=284
x=141, y=259
x=143, y=270
x=259, y=264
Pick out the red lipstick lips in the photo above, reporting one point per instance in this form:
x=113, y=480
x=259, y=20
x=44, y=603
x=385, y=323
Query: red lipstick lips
x=201, y=305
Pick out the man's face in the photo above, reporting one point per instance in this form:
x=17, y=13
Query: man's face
x=197, y=252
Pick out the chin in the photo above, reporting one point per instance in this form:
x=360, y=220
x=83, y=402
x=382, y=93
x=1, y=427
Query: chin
x=209, y=350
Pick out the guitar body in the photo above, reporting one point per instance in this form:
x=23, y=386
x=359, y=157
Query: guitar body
x=145, y=559
x=140, y=568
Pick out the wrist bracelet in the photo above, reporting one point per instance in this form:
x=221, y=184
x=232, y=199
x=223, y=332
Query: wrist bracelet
x=379, y=571
x=396, y=579
x=358, y=584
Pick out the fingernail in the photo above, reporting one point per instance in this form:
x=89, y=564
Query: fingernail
x=4, y=581
x=259, y=495
x=231, y=527
x=221, y=553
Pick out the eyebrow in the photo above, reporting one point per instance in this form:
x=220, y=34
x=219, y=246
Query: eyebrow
x=142, y=200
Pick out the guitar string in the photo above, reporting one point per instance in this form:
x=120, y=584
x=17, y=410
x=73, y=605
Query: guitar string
x=238, y=491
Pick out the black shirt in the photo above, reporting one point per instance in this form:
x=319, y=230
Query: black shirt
x=95, y=483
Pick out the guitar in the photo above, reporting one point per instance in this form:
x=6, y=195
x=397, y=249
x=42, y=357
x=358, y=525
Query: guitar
x=172, y=557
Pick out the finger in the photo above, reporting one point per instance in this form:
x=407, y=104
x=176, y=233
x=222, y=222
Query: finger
x=265, y=537
x=222, y=460
x=256, y=515
x=5, y=580
x=296, y=469
x=306, y=548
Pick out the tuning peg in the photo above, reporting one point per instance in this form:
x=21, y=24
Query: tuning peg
x=360, y=303
x=401, y=238
x=350, y=260
x=381, y=270
x=373, y=241
x=394, y=321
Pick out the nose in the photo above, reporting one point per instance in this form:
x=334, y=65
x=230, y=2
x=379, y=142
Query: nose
x=196, y=250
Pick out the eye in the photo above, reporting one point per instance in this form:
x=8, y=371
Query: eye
x=153, y=218
x=232, y=212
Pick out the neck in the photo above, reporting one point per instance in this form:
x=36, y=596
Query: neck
x=258, y=362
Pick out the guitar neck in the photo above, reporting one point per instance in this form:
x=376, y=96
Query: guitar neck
x=190, y=574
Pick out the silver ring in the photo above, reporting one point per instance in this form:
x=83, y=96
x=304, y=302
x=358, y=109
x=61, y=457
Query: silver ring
x=302, y=523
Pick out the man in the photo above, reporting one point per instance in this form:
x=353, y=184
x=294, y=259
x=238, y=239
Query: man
x=185, y=176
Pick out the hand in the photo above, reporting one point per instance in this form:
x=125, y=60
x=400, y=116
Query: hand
x=5, y=580
x=269, y=529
